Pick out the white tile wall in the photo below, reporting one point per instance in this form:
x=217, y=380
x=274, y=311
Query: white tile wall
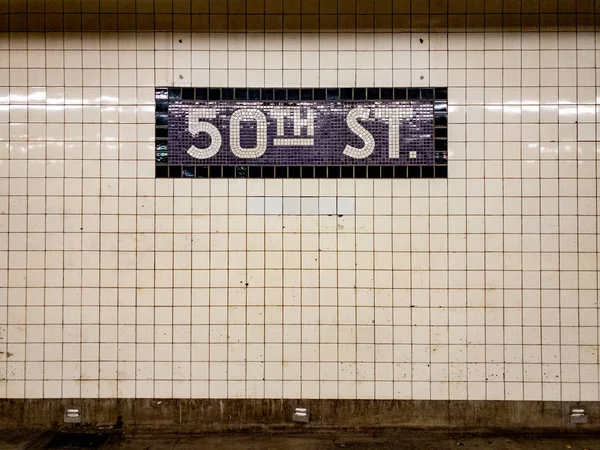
x=482, y=286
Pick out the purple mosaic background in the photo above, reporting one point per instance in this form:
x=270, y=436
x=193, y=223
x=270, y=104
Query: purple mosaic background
x=331, y=136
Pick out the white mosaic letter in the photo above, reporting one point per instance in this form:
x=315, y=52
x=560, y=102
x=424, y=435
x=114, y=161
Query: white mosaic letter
x=280, y=113
x=393, y=116
x=261, y=133
x=360, y=131
x=195, y=126
x=309, y=122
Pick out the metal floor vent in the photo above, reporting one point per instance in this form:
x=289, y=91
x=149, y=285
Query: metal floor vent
x=300, y=415
x=578, y=415
x=78, y=440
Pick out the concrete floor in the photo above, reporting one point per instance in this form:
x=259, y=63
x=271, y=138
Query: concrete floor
x=381, y=440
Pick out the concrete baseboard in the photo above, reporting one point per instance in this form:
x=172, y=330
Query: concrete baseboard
x=204, y=415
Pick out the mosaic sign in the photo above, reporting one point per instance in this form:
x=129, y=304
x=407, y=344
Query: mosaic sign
x=301, y=133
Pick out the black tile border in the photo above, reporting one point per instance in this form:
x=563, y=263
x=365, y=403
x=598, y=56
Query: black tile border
x=437, y=95
x=372, y=172
x=302, y=94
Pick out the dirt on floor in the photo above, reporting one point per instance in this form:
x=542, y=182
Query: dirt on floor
x=296, y=440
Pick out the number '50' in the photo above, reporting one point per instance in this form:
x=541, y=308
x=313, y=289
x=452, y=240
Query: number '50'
x=196, y=126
